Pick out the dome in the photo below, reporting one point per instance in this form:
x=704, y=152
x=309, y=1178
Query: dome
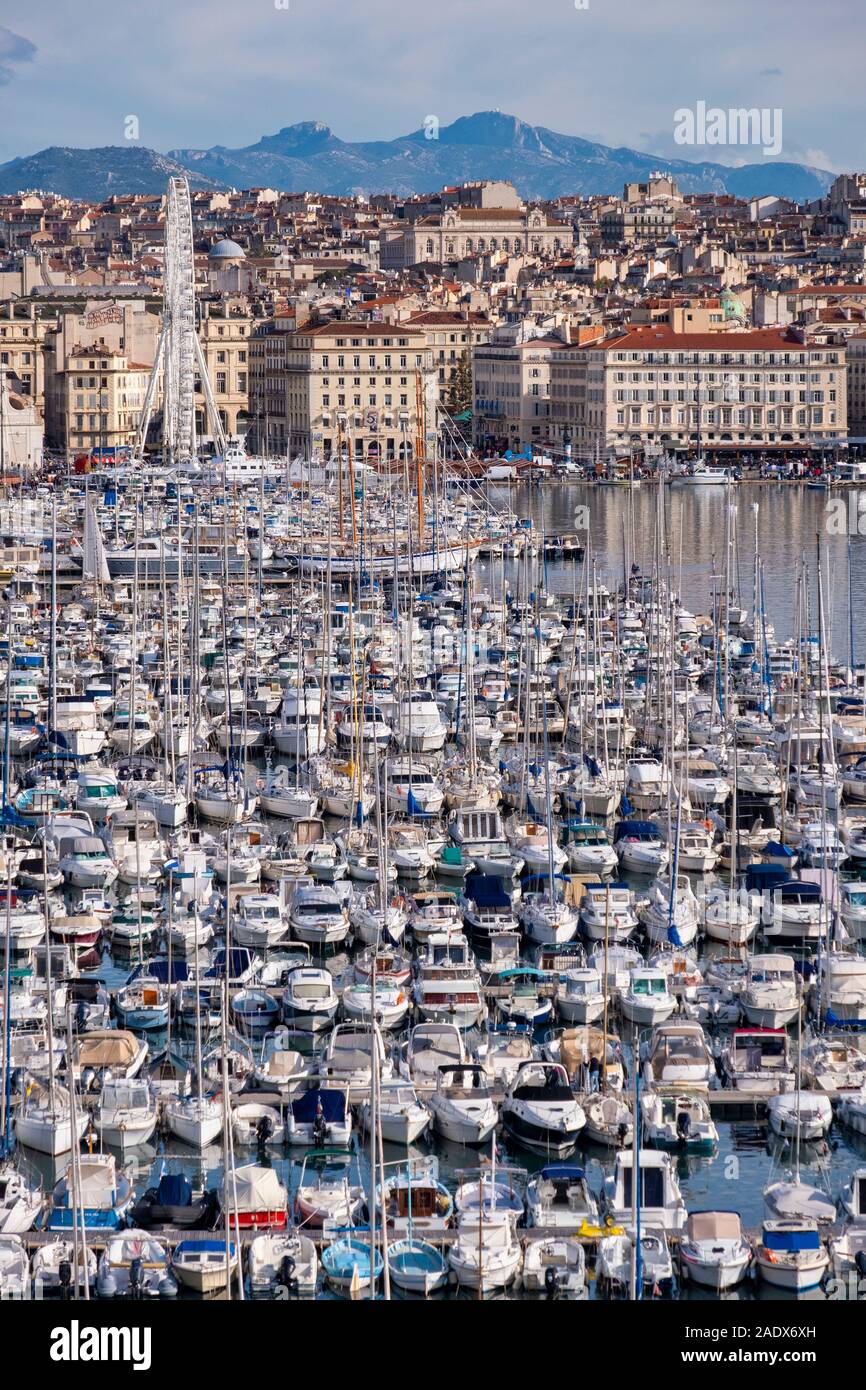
x=226, y=250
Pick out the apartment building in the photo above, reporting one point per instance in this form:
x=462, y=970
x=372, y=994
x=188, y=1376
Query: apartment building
x=511, y=392
x=650, y=387
x=372, y=386
x=267, y=390
x=225, y=329
x=23, y=332
x=450, y=337
x=94, y=400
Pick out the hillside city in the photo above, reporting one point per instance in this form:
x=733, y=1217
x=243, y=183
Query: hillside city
x=583, y=328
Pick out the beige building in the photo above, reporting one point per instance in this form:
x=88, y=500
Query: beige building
x=511, y=392
x=856, y=355
x=459, y=232
x=225, y=329
x=372, y=384
x=450, y=335
x=23, y=333
x=95, y=400
x=652, y=387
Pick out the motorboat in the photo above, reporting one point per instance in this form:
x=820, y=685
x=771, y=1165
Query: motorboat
x=173, y=1201
x=758, y=1060
x=310, y=1001
x=259, y=921
x=555, y=1266
x=679, y=1122
x=486, y=1254
x=677, y=1056
x=540, y=1110
x=254, y=1125
x=800, y=1116
x=104, y=1196
x=126, y=1115
x=400, y=1115
x=320, y=1116
x=253, y=1196
x=607, y=912
x=348, y=1059
x=647, y=998
x=609, y=1120
x=134, y=1264
x=462, y=1105
x=415, y=1199
x=616, y=1258
x=282, y=1260
x=579, y=996
x=559, y=1197
x=318, y=915
x=771, y=996
x=589, y=849
x=661, y=1202
x=205, y=1264
x=57, y=1266
x=640, y=847
x=791, y=1255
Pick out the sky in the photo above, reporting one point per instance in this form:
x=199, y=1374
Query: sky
x=198, y=73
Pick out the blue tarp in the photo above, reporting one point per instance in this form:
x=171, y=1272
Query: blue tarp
x=486, y=890
x=158, y=970
x=636, y=827
x=792, y=1240
x=331, y=1105
x=174, y=1190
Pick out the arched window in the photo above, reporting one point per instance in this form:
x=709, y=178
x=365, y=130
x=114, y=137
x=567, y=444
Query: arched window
x=505, y=246
x=429, y=246
x=469, y=243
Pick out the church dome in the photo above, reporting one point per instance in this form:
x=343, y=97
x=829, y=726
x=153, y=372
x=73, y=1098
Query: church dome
x=226, y=250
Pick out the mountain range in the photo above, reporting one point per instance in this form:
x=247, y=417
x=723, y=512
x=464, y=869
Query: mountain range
x=487, y=145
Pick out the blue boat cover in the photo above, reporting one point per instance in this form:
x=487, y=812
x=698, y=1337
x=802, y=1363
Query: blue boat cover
x=174, y=1190
x=333, y=1106
x=562, y=1171
x=636, y=827
x=762, y=876
x=792, y=1240
x=158, y=970
x=486, y=890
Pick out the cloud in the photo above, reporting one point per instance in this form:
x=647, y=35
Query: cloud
x=13, y=49
x=770, y=72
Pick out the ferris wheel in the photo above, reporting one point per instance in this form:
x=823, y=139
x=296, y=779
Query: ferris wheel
x=178, y=353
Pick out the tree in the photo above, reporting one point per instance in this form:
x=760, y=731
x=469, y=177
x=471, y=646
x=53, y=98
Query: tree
x=460, y=387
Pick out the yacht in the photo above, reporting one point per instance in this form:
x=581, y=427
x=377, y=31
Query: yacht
x=559, y=1197
x=771, y=995
x=607, y=912
x=677, y=1057
x=540, y=1110
x=661, y=1202
x=758, y=1060
x=647, y=999
x=714, y=1252
x=791, y=1255
x=462, y=1105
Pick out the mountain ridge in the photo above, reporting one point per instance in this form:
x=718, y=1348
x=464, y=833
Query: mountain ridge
x=541, y=163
